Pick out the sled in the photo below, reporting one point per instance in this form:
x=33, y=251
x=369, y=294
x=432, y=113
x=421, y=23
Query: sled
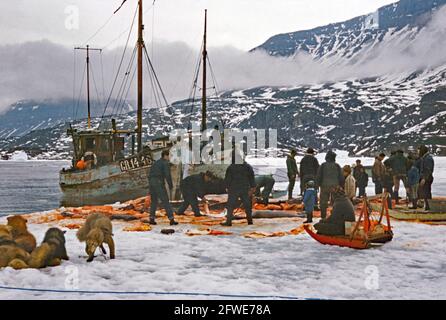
x=341, y=241
x=371, y=235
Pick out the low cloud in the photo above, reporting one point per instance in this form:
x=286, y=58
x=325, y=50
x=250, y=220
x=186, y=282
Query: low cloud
x=44, y=70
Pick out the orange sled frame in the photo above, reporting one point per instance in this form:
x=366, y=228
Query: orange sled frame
x=366, y=219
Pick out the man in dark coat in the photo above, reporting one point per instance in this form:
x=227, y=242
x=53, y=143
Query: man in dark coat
x=362, y=182
x=426, y=167
x=192, y=188
x=413, y=183
x=292, y=172
x=240, y=184
x=308, y=169
x=357, y=169
x=378, y=170
x=264, y=187
x=329, y=176
x=387, y=181
x=160, y=174
x=342, y=212
x=399, y=169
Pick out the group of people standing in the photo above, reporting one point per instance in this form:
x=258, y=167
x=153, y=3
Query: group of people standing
x=329, y=177
x=337, y=185
x=340, y=185
x=416, y=172
x=239, y=184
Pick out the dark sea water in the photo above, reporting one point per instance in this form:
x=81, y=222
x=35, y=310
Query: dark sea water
x=29, y=186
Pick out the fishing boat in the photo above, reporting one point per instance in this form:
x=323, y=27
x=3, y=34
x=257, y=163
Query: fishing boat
x=113, y=175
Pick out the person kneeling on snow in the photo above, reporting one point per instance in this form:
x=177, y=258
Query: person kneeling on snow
x=192, y=188
x=264, y=187
x=309, y=200
x=343, y=211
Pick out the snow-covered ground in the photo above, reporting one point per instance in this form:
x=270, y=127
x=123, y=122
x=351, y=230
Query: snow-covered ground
x=412, y=266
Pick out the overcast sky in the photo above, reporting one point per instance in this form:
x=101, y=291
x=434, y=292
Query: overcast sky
x=243, y=24
x=37, y=39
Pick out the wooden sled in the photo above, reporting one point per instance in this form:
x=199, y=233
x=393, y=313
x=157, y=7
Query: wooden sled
x=369, y=237
x=341, y=241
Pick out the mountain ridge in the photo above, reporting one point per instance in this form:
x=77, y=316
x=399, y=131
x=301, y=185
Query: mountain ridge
x=362, y=116
x=319, y=42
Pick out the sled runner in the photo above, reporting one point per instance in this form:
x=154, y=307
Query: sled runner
x=367, y=232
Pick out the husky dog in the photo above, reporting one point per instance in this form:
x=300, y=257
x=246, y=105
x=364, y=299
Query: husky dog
x=11, y=254
x=20, y=234
x=96, y=231
x=9, y=251
x=51, y=251
x=5, y=235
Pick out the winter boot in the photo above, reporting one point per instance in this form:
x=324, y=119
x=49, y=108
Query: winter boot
x=173, y=222
x=309, y=217
x=323, y=214
x=152, y=222
x=414, y=204
x=228, y=223
x=427, y=207
x=396, y=197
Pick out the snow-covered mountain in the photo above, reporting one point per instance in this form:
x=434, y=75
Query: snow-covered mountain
x=400, y=21
x=395, y=108
x=24, y=117
x=363, y=117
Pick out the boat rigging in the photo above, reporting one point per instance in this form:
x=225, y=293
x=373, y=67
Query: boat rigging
x=88, y=49
x=102, y=171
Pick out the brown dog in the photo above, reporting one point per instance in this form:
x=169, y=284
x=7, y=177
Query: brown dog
x=20, y=234
x=11, y=253
x=52, y=250
x=49, y=254
x=96, y=231
x=5, y=234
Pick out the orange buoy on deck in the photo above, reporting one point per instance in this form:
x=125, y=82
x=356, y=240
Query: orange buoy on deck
x=81, y=165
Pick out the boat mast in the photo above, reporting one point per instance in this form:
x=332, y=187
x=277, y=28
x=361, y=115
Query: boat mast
x=140, y=75
x=205, y=53
x=87, y=48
